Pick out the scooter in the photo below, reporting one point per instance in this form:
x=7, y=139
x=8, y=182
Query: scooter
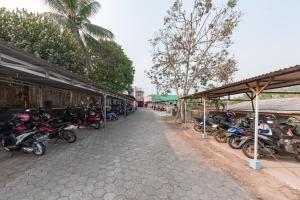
x=29, y=142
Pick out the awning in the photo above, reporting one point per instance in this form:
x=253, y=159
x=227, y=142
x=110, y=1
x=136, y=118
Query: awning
x=19, y=66
x=278, y=79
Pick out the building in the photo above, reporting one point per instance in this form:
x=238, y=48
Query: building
x=159, y=100
x=138, y=94
x=30, y=82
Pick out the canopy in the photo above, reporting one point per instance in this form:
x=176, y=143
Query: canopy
x=18, y=65
x=278, y=79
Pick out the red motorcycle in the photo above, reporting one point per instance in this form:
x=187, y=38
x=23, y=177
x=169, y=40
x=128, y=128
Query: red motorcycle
x=92, y=118
x=62, y=131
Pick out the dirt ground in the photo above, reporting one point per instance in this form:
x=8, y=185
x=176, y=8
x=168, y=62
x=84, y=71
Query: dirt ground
x=259, y=183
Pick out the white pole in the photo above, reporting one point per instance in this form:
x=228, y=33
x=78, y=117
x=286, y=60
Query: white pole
x=254, y=163
x=185, y=113
x=256, y=127
x=104, y=109
x=204, y=118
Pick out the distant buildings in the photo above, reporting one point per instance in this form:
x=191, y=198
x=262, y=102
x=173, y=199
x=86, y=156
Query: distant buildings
x=138, y=94
x=154, y=100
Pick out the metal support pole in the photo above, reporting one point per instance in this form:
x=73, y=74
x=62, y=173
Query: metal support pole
x=125, y=108
x=184, y=114
x=204, y=136
x=40, y=96
x=104, y=109
x=71, y=98
x=254, y=163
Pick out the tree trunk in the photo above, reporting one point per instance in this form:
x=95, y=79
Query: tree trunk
x=182, y=113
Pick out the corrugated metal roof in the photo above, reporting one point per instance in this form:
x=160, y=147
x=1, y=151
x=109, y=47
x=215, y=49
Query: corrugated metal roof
x=277, y=79
x=280, y=105
x=9, y=50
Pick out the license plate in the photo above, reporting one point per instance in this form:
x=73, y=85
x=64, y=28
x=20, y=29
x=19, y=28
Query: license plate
x=214, y=125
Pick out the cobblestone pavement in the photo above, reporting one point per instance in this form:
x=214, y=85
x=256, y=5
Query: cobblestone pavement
x=135, y=158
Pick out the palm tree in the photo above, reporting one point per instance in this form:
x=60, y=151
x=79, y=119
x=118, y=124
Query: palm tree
x=74, y=15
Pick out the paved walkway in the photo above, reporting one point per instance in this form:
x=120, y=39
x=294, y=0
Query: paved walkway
x=135, y=158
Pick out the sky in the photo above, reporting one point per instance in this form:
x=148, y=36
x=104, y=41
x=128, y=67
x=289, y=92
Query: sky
x=267, y=38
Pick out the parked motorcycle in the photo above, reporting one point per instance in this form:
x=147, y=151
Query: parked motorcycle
x=92, y=118
x=220, y=133
x=237, y=136
x=28, y=141
x=210, y=126
x=63, y=131
x=283, y=139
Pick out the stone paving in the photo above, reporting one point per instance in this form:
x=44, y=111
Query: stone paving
x=135, y=158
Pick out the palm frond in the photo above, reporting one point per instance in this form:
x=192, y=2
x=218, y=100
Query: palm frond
x=71, y=5
x=63, y=21
x=89, y=8
x=90, y=40
x=56, y=5
x=98, y=31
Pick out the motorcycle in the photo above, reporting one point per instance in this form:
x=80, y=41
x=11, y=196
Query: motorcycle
x=210, y=126
x=283, y=139
x=91, y=118
x=223, y=125
x=28, y=141
x=63, y=131
x=237, y=136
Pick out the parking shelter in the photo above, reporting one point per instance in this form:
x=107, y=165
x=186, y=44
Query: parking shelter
x=253, y=88
x=30, y=82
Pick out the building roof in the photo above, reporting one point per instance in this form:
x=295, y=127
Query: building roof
x=280, y=105
x=277, y=79
x=18, y=65
x=164, y=98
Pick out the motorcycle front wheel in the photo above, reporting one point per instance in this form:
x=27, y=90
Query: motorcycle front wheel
x=69, y=136
x=4, y=146
x=198, y=128
x=234, y=142
x=39, y=148
x=248, y=149
x=220, y=136
x=96, y=125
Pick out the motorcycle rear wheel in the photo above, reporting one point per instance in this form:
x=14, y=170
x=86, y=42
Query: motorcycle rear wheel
x=220, y=136
x=39, y=148
x=234, y=142
x=69, y=136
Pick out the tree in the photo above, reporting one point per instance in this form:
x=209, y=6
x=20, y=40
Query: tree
x=191, y=49
x=113, y=68
x=42, y=37
x=73, y=15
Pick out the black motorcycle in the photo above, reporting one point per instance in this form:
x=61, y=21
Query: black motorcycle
x=283, y=140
